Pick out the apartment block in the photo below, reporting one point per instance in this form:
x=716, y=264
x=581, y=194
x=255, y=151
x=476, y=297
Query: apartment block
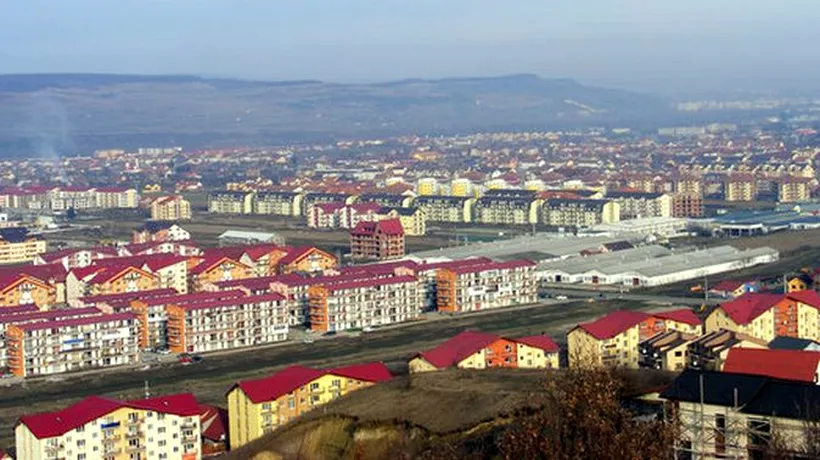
x=479, y=350
x=765, y=316
x=689, y=185
x=278, y=203
x=364, y=303
x=116, y=198
x=472, y=287
x=387, y=199
x=453, y=209
x=17, y=245
x=26, y=289
x=214, y=268
x=793, y=189
x=51, y=347
x=614, y=339
x=229, y=202
x=313, y=198
x=413, y=220
x=169, y=208
x=567, y=212
x=634, y=205
x=165, y=427
x=153, y=317
x=75, y=258
x=24, y=314
x=740, y=187
x=687, y=205
x=108, y=279
x=257, y=407
x=342, y=215
x=378, y=240
x=507, y=207
x=666, y=351
x=203, y=326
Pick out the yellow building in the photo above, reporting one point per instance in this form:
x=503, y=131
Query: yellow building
x=428, y=186
x=413, y=220
x=480, y=350
x=793, y=190
x=256, y=407
x=614, y=339
x=230, y=202
x=170, y=208
x=461, y=188
x=740, y=188
x=165, y=427
x=17, y=245
x=750, y=314
x=799, y=283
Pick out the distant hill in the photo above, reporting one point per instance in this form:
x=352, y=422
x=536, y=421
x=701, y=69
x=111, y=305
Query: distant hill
x=72, y=113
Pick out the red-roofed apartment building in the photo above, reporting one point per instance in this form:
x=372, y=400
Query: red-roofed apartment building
x=201, y=326
x=102, y=428
x=796, y=365
x=479, y=350
x=257, y=407
x=64, y=345
x=614, y=339
x=364, y=303
x=766, y=316
x=216, y=267
x=379, y=240
x=108, y=279
x=472, y=287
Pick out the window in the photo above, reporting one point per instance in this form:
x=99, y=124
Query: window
x=314, y=386
x=80, y=429
x=291, y=403
x=80, y=443
x=80, y=456
x=266, y=406
x=162, y=443
x=161, y=430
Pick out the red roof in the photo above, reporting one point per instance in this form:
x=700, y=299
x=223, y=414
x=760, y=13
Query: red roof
x=49, y=315
x=258, y=251
x=17, y=309
x=613, y=324
x=727, y=286
x=683, y=315
x=210, y=262
x=213, y=422
x=370, y=282
x=128, y=296
x=809, y=297
x=230, y=302
x=58, y=324
x=331, y=207
x=278, y=384
x=369, y=372
x=747, y=307
x=50, y=424
x=540, y=341
x=295, y=254
x=387, y=227
x=459, y=268
x=456, y=349
x=795, y=365
x=194, y=297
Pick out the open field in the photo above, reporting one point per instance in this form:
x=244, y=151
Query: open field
x=217, y=373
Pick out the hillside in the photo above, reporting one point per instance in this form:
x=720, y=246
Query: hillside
x=68, y=113
x=418, y=413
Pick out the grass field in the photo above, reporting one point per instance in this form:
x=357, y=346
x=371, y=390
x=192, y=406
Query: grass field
x=217, y=373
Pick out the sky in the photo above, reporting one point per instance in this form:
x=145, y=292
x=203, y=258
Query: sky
x=657, y=45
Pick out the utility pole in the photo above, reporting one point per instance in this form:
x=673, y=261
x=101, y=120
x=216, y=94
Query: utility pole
x=147, y=392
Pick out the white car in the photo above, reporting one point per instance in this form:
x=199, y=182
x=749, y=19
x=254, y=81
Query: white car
x=367, y=329
x=561, y=297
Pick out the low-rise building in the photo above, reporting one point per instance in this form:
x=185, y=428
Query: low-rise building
x=795, y=365
x=471, y=287
x=50, y=347
x=709, y=351
x=164, y=427
x=765, y=316
x=17, y=245
x=257, y=407
x=413, y=220
x=364, y=303
x=665, y=351
x=479, y=350
x=159, y=231
x=232, y=237
x=108, y=279
x=76, y=258
x=24, y=289
x=378, y=240
x=387, y=199
x=215, y=268
x=614, y=339
x=170, y=208
x=729, y=415
x=278, y=203
x=634, y=205
x=203, y=326
x=687, y=205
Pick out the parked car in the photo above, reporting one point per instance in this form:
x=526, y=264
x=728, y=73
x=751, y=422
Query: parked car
x=163, y=351
x=308, y=340
x=561, y=297
x=367, y=329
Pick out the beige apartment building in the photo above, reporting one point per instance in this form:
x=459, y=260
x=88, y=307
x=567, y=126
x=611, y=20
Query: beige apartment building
x=170, y=208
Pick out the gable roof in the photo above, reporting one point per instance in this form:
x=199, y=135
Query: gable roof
x=213, y=422
x=278, y=384
x=211, y=262
x=747, y=307
x=542, y=342
x=369, y=372
x=794, y=365
x=51, y=424
x=613, y=323
x=718, y=387
x=15, y=234
x=386, y=226
x=298, y=253
x=154, y=226
x=456, y=349
x=682, y=315
x=809, y=297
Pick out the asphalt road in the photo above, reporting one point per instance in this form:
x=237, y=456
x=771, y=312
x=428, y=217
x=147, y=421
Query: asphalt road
x=211, y=378
x=649, y=298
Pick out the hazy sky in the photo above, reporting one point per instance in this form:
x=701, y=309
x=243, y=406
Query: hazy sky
x=653, y=44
